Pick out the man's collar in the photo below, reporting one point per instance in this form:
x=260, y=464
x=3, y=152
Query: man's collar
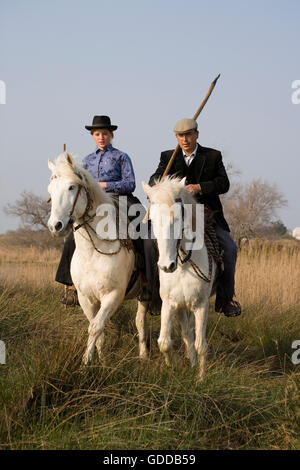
x=109, y=147
x=193, y=153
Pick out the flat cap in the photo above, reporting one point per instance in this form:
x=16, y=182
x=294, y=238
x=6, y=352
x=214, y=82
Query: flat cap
x=185, y=125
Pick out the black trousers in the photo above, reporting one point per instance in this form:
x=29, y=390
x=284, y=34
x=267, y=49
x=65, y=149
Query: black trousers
x=225, y=286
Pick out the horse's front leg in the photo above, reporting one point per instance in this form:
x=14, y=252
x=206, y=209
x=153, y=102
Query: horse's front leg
x=201, y=314
x=187, y=332
x=109, y=304
x=140, y=321
x=164, y=340
x=90, y=308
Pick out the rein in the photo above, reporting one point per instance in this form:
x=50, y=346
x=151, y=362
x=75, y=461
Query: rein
x=187, y=256
x=85, y=224
x=196, y=268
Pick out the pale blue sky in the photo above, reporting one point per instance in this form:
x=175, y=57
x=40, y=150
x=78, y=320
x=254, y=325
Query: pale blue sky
x=148, y=64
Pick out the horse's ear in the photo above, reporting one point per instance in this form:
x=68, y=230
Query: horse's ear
x=70, y=160
x=182, y=182
x=51, y=166
x=146, y=187
x=146, y=216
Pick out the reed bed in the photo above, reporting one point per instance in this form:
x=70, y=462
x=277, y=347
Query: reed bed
x=31, y=254
x=269, y=273
x=249, y=399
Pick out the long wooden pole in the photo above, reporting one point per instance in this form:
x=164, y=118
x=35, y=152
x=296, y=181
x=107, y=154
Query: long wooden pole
x=212, y=86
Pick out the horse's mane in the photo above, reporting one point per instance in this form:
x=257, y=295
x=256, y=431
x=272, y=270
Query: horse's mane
x=170, y=189
x=167, y=190
x=65, y=166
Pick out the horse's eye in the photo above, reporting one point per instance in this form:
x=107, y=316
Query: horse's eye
x=71, y=187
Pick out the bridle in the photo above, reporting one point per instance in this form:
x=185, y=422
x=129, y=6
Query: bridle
x=87, y=218
x=178, y=248
x=88, y=206
x=187, y=256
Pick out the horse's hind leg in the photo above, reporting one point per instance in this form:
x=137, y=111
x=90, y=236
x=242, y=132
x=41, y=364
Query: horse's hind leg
x=140, y=321
x=201, y=314
x=109, y=305
x=187, y=336
x=164, y=340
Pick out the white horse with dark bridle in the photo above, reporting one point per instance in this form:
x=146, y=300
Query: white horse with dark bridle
x=101, y=268
x=186, y=273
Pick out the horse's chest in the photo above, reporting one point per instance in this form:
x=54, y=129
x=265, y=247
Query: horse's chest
x=96, y=275
x=183, y=288
x=178, y=287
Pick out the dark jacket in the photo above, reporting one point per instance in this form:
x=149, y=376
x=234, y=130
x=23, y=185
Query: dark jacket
x=206, y=169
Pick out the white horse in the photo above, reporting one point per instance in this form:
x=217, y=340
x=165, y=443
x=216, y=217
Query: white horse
x=100, y=268
x=181, y=288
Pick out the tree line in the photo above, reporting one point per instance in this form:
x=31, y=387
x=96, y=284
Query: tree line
x=250, y=208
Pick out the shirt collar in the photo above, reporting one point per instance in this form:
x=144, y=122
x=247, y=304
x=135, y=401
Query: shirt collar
x=109, y=147
x=193, y=154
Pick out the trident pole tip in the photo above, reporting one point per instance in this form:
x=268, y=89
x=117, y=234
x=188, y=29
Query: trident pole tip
x=216, y=79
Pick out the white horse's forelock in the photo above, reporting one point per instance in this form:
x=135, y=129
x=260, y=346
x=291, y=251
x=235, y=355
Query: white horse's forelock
x=167, y=190
x=65, y=166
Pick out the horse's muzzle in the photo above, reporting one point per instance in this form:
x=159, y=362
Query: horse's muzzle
x=169, y=269
x=60, y=229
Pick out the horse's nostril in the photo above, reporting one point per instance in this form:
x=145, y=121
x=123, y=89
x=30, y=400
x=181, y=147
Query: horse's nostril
x=168, y=269
x=172, y=266
x=58, y=226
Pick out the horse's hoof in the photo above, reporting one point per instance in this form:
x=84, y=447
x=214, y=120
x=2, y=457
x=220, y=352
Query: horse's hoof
x=144, y=356
x=200, y=377
x=170, y=362
x=86, y=360
x=82, y=369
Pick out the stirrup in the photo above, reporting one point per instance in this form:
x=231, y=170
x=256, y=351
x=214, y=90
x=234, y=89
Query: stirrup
x=230, y=308
x=70, y=298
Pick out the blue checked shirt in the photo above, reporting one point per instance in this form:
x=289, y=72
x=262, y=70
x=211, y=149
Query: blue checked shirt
x=114, y=167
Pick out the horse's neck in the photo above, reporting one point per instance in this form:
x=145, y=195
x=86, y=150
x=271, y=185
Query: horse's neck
x=86, y=238
x=196, y=253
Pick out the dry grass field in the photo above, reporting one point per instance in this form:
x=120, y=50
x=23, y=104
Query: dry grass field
x=250, y=398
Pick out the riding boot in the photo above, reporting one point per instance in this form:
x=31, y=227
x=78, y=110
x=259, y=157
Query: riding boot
x=70, y=297
x=225, y=286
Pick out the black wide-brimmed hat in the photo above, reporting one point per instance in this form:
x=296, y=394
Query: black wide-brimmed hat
x=101, y=122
